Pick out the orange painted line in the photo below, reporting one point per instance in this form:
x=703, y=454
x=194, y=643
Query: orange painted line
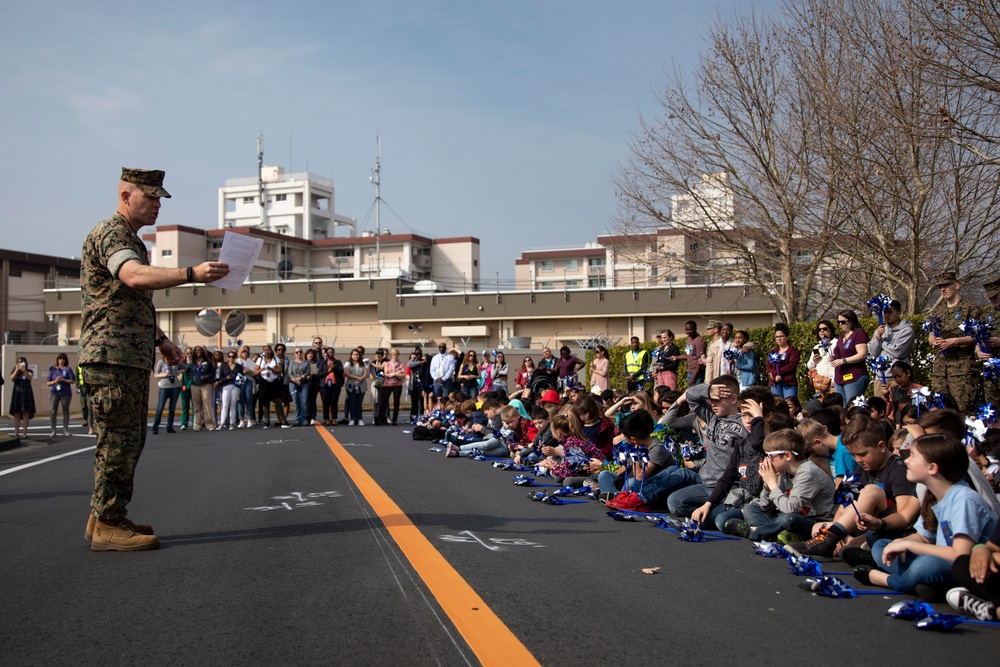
x=488, y=637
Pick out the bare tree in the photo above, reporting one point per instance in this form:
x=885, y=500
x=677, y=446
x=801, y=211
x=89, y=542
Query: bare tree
x=738, y=128
x=963, y=49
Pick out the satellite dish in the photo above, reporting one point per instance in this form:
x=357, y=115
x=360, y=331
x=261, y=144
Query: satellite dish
x=284, y=269
x=235, y=322
x=207, y=322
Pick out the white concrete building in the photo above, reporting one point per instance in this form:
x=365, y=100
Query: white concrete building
x=298, y=204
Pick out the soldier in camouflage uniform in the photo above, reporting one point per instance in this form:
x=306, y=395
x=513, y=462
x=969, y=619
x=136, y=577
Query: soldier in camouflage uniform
x=118, y=338
x=992, y=389
x=956, y=367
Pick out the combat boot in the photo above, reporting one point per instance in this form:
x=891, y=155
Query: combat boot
x=143, y=528
x=121, y=537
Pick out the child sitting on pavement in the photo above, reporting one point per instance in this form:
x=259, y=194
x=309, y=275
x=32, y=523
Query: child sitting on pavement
x=953, y=519
x=796, y=492
x=540, y=418
x=569, y=461
x=886, y=503
x=740, y=482
x=483, y=438
x=637, y=430
x=717, y=404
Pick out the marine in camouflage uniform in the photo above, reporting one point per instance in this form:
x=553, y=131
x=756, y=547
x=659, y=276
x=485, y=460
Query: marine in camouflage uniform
x=957, y=370
x=992, y=289
x=118, y=338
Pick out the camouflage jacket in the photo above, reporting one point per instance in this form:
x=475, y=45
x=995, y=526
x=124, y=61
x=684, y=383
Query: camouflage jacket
x=951, y=319
x=118, y=322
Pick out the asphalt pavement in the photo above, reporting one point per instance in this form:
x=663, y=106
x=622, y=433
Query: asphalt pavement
x=272, y=553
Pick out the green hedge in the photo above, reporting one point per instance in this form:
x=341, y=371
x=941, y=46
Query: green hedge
x=802, y=336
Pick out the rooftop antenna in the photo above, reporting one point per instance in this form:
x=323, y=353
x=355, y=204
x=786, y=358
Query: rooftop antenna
x=260, y=178
x=376, y=178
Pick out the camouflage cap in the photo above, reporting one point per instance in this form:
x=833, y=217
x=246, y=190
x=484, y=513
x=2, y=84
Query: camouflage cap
x=714, y=324
x=992, y=288
x=149, y=181
x=946, y=278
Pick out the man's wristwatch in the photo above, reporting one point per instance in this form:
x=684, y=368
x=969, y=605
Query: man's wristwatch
x=190, y=274
x=159, y=341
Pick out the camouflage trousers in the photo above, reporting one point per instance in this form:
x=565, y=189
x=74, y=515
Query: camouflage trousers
x=119, y=403
x=960, y=378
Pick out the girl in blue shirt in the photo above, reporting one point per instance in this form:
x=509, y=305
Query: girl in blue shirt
x=953, y=519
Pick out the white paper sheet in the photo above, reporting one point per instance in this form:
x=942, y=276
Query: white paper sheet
x=240, y=252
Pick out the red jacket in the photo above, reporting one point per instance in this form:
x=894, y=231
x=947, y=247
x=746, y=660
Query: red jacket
x=526, y=433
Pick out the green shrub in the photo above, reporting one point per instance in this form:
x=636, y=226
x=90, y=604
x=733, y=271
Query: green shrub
x=802, y=336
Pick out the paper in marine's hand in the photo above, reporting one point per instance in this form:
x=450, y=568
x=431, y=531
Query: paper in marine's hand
x=240, y=252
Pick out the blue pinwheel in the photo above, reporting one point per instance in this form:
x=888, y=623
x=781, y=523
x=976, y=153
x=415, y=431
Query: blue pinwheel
x=829, y=586
x=804, y=566
x=881, y=365
x=980, y=331
x=986, y=413
x=879, y=304
x=769, y=550
x=731, y=355
x=848, y=492
x=991, y=370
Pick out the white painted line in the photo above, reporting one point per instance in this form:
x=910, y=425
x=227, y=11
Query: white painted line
x=51, y=458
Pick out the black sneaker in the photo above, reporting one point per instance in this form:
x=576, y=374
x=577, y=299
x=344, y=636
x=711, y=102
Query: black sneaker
x=737, y=527
x=863, y=573
x=967, y=603
x=605, y=497
x=856, y=556
x=822, y=545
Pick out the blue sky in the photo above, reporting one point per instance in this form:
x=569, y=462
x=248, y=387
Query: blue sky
x=500, y=120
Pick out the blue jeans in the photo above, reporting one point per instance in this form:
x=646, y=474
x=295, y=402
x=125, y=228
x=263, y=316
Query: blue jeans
x=908, y=570
x=300, y=397
x=685, y=501
x=245, y=405
x=491, y=447
x=721, y=515
x=783, y=390
x=852, y=389
x=166, y=395
x=352, y=405
x=767, y=525
x=657, y=489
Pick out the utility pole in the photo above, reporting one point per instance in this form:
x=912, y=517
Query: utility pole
x=376, y=178
x=260, y=179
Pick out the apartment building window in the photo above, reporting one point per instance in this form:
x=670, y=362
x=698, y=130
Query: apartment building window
x=343, y=253
x=248, y=200
x=14, y=273
x=670, y=279
x=597, y=282
x=168, y=252
x=572, y=265
x=255, y=319
x=475, y=262
x=280, y=197
x=548, y=284
x=546, y=265
x=695, y=247
x=596, y=261
x=572, y=284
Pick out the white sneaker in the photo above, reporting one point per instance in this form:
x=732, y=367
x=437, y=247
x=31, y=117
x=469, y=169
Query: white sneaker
x=65, y=431
x=52, y=433
x=312, y=422
x=361, y=422
x=350, y=422
x=231, y=427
